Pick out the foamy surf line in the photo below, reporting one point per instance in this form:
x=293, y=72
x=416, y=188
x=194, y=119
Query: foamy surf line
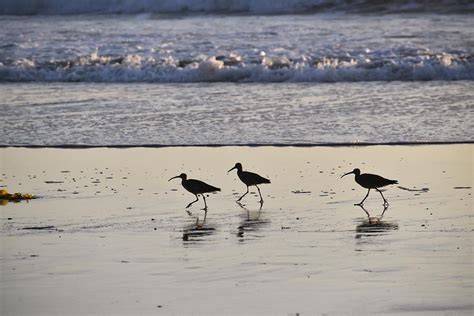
x=344, y=144
x=109, y=70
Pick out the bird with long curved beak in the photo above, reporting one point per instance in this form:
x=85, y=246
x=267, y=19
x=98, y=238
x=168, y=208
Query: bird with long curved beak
x=196, y=187
x=249, y=179
x=370, y=181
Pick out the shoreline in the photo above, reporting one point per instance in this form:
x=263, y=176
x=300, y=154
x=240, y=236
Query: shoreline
x=301, y=145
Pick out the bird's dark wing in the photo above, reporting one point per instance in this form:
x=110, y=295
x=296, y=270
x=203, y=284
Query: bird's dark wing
x=199, y=187
x=375, y=181
x=250, y=178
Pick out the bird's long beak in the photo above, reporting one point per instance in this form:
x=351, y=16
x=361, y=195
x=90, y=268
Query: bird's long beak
x=345, y=174
x=231, y=169
x=173, y=178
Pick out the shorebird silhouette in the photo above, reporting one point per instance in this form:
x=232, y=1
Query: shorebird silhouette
x=249, y=178
x=196, y=187
x=370, y=181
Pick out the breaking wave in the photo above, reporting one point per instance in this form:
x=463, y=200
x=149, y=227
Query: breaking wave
x=420, y=66
x=59, y=7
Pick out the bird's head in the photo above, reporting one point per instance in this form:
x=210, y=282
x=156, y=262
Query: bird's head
x=182, y=176
x=237, y=166
x=356, y=171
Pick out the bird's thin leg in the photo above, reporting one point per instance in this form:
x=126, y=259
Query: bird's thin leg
x=363, y=208
x=240, y=198
x=205, y=204
x=362, y=202
x=197, y=199
x=385, y=202
x=261, y=198
x=385, y=207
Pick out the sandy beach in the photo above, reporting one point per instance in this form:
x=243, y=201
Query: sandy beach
x=110, y=235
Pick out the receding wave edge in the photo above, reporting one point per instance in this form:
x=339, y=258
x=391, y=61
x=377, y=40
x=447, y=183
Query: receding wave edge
x=342, y=144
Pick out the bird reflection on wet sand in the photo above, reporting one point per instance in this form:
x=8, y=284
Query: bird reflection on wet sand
x=196, y=231
x=252, y=223
x=374, y=226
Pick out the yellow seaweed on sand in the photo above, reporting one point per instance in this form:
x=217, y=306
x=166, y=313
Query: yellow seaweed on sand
x=6, y=197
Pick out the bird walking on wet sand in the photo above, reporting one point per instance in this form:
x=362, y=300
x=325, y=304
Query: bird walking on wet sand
x=249, y=178
x=196, y=187
x=370, y=181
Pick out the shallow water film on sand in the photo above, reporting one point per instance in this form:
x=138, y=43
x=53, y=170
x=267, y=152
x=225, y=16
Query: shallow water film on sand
x=109, y=224
x=111, y=110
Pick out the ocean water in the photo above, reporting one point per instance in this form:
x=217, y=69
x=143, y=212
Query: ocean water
x=233, y=72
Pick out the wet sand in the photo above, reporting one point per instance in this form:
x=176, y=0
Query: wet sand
x=110, y=234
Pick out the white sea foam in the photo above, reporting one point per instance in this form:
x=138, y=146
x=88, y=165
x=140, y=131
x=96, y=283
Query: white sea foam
x=135, y=68
x=58, y=7
x=277, y=48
